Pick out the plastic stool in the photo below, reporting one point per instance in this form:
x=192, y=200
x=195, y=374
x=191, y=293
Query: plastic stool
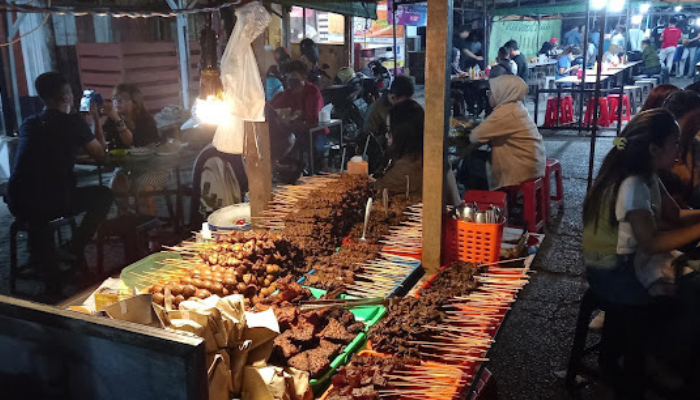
x=556, y=200
x=646, y=87
x=604, y=115
x=566, y=108
x=534, y=200
x=626, y=109
x=18, y=226
x=589, y=304
x=635, y=94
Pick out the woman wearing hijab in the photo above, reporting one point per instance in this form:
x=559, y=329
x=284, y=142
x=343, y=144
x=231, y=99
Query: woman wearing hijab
x=518, y=152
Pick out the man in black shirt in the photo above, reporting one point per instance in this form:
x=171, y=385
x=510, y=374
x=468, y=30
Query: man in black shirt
x=519, y=59
x=459, y=41
x=43, y=185
x=692, y=44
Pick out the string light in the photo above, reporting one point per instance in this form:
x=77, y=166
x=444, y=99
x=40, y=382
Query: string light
x=81, y=11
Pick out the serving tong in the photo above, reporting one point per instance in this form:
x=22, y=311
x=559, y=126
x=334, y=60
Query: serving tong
x=348, y=303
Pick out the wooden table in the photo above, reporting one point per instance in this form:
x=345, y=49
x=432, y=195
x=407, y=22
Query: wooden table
x=184, y=160
x=589, y=79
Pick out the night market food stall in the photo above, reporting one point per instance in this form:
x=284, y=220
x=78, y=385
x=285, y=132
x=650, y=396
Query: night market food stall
x=338, y=292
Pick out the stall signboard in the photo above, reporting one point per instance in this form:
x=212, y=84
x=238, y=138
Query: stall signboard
x=408, y=14
x=529, y=34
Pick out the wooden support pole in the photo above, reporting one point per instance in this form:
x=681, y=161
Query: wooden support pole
x=350, y=41
x=258, y=166
x=437, y=91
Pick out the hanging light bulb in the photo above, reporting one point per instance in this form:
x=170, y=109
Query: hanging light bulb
x=210, y=111
x=678, y=8
x=644, y=8
x=599, y=4
x=616, y=5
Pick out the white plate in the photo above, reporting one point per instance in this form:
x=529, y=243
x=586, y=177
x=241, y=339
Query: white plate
x=167, y=153
x=225, y=218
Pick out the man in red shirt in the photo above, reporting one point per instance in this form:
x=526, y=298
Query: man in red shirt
x=669, y=40
x=304, y=102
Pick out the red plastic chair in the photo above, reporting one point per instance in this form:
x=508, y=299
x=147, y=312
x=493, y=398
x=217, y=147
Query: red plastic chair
x=555, y=200
x=566, y=111
x=603, y=117
x=534, y=202
x=613, y=101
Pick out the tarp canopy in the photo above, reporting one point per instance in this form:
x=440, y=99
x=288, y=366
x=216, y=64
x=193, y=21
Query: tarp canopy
x=364, y=9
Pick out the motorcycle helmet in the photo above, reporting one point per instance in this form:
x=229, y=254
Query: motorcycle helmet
x=345, y=75
x=309, y=50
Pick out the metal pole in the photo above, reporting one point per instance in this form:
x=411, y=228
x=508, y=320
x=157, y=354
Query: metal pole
x=596, y=95
x=394, y=6
x=585, y=66
x=183, y=50
x=12, y=28
x=303, y=23
x=286, y=30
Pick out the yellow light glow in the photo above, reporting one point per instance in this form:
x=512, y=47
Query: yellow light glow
x=211, y=111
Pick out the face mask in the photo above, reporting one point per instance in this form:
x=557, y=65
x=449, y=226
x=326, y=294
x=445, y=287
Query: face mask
x=67, y=108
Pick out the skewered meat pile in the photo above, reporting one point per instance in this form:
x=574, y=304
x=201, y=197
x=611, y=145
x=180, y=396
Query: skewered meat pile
x=381, y=220
x=310, y=340
x=412, y=319
x=339, y=270
x=457, y=280
x=238, y=263
x=364, y=377
x=326, y=215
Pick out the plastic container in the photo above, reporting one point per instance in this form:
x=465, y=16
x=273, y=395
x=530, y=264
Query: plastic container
x=472, y=242
x=370, y=315
x=133, y=274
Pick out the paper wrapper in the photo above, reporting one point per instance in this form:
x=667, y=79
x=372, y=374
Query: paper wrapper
x=239, y=360
x=267, y=383
x=219, y=379
x=298, y=385
x=138, y=309
x=261, y=329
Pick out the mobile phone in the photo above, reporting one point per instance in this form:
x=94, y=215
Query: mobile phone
x=85, y=100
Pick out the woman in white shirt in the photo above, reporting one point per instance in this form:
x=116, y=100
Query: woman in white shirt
x=631, y=224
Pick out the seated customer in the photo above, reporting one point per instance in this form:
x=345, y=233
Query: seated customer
x=652, y=65
x=631, y=226
x=401, y=90
x=681, y=181
x=43, y=185
x=128, y=124
x=611, y=56
x=658, y=96
x=504, y=66
x=303, y=100
x=564, y=67
x=518, y=152
x=405, y=139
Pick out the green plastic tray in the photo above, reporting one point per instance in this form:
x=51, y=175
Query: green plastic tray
x=129, y=275
x=369, y=315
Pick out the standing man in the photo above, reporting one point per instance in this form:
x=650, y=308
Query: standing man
x=573, y=37
x=636, y=37
x=692, y=45
x=519, y=59
x=619, y=39
x=42, y=187
x=459, y=41
x=669, y=42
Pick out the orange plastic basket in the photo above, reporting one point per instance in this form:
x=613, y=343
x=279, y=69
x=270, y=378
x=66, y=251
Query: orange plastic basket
x=472, y=242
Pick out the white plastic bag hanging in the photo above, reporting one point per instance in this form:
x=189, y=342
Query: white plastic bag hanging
x=243, y=90
x=240, y=76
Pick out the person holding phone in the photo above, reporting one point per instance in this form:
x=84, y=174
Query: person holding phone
x=127, y=125
x=43, y=185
